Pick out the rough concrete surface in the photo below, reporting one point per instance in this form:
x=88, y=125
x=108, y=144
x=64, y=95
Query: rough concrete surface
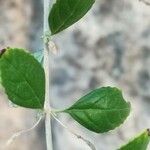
x=109, y=46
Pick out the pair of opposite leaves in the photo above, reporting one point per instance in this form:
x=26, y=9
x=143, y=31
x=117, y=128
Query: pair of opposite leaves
x=101, y=110
x=24, y=80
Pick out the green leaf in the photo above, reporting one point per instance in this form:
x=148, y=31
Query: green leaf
x=64, y=13
x=23, y=78
x=101, y=110
x=139, y=143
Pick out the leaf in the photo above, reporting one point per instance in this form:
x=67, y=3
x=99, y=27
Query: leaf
x=64, y=13
x=23, y=78
x=139, y=143
x=39, y=56
x=101, y=110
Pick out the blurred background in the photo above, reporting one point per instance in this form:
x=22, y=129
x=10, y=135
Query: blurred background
x=109, y=46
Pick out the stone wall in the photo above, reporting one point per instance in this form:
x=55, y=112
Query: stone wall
x=109, y=46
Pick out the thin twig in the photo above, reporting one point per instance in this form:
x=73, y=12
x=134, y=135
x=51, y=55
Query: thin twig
x=88, y=143
x=15, y=135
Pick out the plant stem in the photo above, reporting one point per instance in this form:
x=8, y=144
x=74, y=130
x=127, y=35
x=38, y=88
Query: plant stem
x=47, y=80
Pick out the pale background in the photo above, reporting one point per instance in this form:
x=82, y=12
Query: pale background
x=109, y=46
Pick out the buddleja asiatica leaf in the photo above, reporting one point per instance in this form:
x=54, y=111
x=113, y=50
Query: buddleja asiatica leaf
x=101, y=110
x=23, y=78
x=139, y=143
x=64, y=13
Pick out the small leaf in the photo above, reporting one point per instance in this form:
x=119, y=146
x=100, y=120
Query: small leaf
x=139, y=143
x=64, y=13
x=23, y=78
x=39, y=56
x=101, y=110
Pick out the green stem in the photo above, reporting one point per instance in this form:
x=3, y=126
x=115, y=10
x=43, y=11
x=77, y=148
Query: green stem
x=49, y=143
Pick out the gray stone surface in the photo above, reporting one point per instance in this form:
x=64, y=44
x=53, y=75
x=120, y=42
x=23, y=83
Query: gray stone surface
x=109, y=46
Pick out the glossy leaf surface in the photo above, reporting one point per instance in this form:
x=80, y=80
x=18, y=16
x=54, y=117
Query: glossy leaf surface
x=101, y=110
x=23, y=78
x=64, y=13
x=139, y=143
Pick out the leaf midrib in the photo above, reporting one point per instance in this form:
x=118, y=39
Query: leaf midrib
x=99, y=109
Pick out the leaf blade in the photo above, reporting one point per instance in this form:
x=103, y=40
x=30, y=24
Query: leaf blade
x=64, y=13
x=140, y=142
x=99, y=110
x=23, y=78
